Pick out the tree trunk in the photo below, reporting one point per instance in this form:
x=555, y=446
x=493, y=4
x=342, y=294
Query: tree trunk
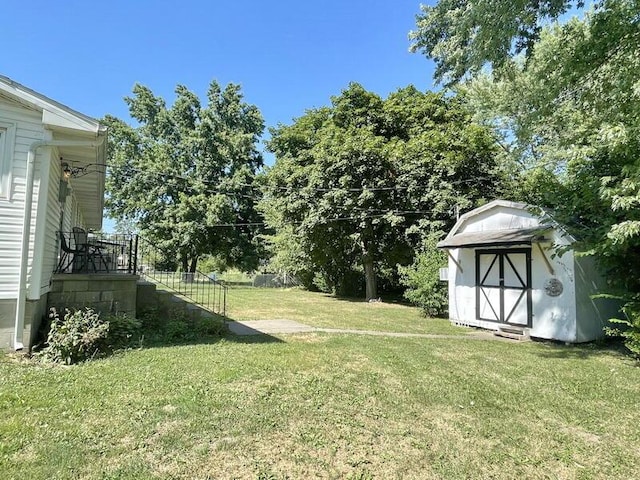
x=187, y=274
x=194, y=264
x=370, y=278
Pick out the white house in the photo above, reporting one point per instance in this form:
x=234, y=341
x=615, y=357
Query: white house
x=39, y=138
x=512, y=269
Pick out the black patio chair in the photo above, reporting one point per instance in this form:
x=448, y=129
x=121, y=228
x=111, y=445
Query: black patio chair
x=70, y=256
x=88, y=251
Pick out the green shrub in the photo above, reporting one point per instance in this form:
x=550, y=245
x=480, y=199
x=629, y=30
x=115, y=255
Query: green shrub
x=180, y=328
x=423, y=280
x=124, y=331
x=209, y=327
x=630, y=326
x=177, y=326
x=320, y=283
x=82, y=335
x=78, y=337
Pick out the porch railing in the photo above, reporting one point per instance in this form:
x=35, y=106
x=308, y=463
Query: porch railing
x=160, y=267
x=82, y=252
x=88, y=252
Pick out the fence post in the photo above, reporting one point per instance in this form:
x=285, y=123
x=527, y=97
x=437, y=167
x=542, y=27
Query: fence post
x=135, y=257
x=224, y=304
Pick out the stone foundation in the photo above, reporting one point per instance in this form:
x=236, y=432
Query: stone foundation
x=105, y=293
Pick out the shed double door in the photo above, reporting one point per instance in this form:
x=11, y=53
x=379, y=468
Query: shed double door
x=503, y=286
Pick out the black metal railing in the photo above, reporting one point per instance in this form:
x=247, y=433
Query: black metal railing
x=87, y=252
x=160, y=267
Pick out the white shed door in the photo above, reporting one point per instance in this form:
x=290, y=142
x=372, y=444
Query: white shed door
x=503, y=286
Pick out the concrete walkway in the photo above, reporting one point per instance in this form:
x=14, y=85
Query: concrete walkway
x=260, y=327
x=266, y=327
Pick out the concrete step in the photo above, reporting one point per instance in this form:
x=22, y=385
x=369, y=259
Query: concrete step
x=197, y=312
x=149, y=297
x=513, y=332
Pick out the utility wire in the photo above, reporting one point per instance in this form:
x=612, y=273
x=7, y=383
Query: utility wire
x=328, y=220
x=280, y=188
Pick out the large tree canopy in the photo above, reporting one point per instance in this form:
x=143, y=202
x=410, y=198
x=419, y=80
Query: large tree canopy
x=462, y=36
x=356, y=184
x=570, y=114
x=187, y=171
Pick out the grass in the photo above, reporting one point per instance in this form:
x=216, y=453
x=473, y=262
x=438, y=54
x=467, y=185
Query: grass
x=326, y=311
x=325, y=406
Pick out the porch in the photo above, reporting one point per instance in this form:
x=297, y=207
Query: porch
x=103, y=271
x=82, y=252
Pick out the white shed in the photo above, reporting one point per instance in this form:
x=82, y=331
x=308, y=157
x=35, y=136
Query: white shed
x=512, y=269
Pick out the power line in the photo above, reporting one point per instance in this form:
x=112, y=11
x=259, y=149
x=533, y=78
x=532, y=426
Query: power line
x=285, y=188
x=329, y=220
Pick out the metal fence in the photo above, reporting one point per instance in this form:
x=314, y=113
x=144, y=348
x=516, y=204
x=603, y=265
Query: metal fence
x=155, y=266
x=86, y=252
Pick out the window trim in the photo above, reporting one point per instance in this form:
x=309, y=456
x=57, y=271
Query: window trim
x=7, y=150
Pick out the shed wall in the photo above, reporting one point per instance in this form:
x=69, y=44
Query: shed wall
x=553, y=317
x=593, y=313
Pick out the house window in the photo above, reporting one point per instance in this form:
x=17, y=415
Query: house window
x=7, y=135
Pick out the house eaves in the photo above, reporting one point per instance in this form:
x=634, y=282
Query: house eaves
x=54, y=114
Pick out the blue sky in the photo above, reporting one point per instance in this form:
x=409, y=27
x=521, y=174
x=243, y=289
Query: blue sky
x=288, y=55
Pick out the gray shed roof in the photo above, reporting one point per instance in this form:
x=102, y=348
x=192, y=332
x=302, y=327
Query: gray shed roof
x=495, y=238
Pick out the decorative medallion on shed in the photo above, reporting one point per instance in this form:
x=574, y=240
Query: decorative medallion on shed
x=553, y=287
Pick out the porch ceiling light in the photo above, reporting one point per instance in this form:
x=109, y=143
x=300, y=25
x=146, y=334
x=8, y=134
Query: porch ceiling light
x=66, y=171
x=70, y=172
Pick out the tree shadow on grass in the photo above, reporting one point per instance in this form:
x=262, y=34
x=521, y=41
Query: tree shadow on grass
x=252, y=339
x=183, y=332
x=560, y=350
x=394, y=299
x=260, y=338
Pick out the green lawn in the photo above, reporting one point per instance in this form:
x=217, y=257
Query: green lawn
x=321, y=310
x=325, y=406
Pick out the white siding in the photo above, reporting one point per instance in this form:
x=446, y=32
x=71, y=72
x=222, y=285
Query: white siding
x=72, y=214
x=552, y=317
x=51, y=225
x=28, y=129
x=593, y=312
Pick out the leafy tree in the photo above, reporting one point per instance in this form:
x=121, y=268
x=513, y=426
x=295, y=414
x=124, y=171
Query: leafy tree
x=572, y=114
x=356, y=184
x=463, y=36
x=422, y=279
x=187, y=171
